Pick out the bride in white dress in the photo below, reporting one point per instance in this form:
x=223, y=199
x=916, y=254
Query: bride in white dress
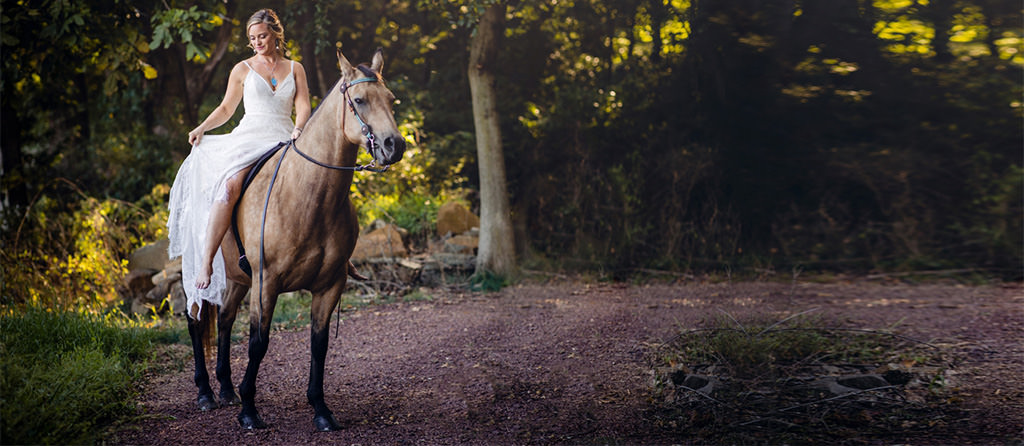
x=208, y=181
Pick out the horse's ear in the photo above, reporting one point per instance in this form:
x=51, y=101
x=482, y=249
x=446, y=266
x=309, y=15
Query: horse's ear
x=343, y=63
x=377, y=64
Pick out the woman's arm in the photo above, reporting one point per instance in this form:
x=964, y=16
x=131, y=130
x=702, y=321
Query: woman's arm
x=302, y=107
x=227, y=107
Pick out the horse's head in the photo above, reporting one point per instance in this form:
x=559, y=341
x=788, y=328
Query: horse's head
x=370, y=121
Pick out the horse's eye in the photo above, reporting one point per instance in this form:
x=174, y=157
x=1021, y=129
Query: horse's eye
x=358, y=101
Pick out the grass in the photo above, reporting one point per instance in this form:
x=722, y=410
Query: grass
x=67, y=375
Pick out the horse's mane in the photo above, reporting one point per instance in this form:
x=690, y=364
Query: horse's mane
x=363, y=68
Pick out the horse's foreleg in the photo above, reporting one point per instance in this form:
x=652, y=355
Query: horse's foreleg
x=198, y=331
x=225, y=321
x=259, y=341
x=320, y=317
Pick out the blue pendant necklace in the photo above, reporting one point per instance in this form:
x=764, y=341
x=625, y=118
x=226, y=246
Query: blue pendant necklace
x=273, y=80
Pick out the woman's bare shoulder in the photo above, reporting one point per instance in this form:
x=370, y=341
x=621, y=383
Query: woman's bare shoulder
x=243, y=65
x=240, y=69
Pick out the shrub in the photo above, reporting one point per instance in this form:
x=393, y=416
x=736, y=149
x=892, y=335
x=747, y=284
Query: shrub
x=72, y=253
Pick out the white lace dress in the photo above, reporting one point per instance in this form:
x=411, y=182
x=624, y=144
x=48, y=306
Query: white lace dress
x=202, y=177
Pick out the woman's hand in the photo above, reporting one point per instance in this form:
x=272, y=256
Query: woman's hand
x=195, y=135
x=296, y=132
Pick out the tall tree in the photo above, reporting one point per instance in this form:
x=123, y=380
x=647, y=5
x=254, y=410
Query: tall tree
x=497, y=247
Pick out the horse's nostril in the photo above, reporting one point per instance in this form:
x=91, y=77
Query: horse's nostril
x=389, y=142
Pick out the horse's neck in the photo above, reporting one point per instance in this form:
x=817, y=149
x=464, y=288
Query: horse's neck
x=324, y=140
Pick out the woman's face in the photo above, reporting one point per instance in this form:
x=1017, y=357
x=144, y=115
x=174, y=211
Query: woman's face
x=262, y=39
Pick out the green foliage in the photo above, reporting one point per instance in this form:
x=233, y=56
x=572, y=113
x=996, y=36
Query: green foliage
x=73, y=254
x=487, y=281
x=410, y=192
x=176, y=25
x=66, y=375
x=291, y=312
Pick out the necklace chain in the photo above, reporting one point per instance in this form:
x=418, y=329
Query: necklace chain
x=273, y=81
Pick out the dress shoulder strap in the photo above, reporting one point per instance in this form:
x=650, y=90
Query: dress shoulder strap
x=247, y=64
x=293, y=66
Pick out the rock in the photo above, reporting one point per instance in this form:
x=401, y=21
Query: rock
x=177, y=298
x=455, y=219
x=384, y=242
x=165, y=294
x=378, y=223
x=898, y=377
x=174, y=266
x=699, y=383
x=450, y=261
x=138, y=282
x=152, y=256
x=462, y=244
x=141, y=308
x=165, y=275
x=438, y=265
x=863, y=382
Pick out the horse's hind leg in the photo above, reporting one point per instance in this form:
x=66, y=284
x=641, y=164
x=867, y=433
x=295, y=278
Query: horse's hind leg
x=320, y=316
x=199, y=332
x=225, y=321
x=259, y=341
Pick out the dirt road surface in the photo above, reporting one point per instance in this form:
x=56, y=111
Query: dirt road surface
x=568, y=363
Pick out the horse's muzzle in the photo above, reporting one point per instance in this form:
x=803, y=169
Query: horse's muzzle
x=392, y=150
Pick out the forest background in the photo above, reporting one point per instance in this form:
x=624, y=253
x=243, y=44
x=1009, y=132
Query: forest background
x=669, y=135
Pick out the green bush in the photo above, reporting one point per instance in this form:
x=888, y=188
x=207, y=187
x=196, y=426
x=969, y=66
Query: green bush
x=66, y=375
x=72, y=251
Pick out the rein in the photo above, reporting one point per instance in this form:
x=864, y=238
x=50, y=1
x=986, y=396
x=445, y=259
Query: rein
x=371, y=139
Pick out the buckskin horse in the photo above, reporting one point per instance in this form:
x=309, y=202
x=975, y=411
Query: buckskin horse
x=304, y=228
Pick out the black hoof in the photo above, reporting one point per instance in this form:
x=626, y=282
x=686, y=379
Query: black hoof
x=206, y=402
x=251, y=421
x=229, y=399
x=326, y=423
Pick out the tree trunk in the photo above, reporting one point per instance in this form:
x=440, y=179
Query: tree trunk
x=496, y=253
x=199, y=78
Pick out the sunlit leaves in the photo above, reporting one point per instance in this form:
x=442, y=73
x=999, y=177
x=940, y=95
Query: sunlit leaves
x=460, y=13
x=178, y=25
x=911, y=35
x=148, y=71
x=1011, y=47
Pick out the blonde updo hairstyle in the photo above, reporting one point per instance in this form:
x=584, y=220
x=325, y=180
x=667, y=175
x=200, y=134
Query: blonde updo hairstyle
x=268, y=17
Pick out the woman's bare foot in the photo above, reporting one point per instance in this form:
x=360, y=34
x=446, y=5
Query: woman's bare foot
x=203, y=280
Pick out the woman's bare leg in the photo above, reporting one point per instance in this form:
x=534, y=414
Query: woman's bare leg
x=220, y=219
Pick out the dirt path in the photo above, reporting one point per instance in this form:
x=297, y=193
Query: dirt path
x=565, y=363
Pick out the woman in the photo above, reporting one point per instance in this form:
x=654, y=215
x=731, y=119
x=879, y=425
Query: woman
x=208, y=181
